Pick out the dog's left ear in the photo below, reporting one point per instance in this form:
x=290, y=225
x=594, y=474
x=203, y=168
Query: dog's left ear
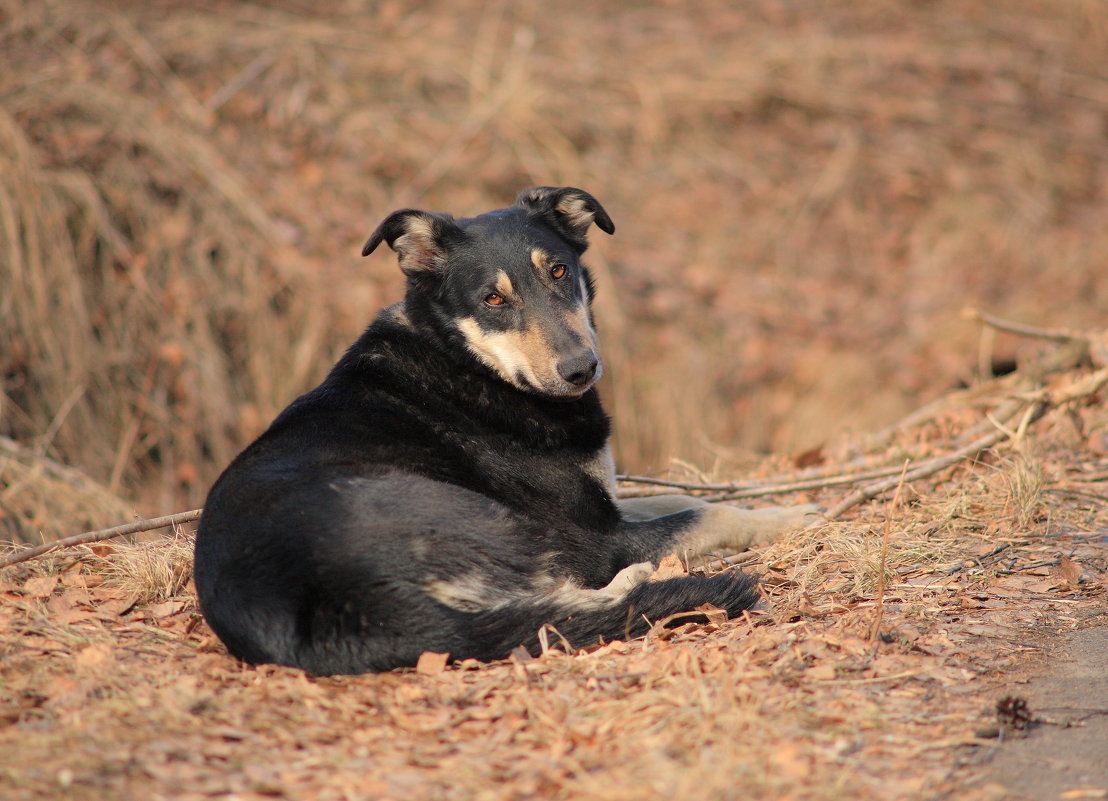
x=570, y=211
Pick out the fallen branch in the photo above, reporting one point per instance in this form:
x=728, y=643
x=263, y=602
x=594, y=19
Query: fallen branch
x=100, y=535
x=1052, y=334
x=929, y=468
x=1031, y=566
x=1004, y=412
x=859, y=468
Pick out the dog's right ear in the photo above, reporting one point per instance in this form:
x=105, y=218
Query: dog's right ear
x=419, y=238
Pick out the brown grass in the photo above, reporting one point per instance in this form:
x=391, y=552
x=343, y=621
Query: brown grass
x=149, y=572
x=803, y=206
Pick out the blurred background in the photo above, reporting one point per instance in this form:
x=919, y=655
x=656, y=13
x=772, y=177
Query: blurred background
x=806, y=196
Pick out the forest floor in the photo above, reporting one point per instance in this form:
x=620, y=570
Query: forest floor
x=942, y=642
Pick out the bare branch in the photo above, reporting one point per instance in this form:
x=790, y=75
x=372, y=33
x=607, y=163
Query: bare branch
x=777, y=485
x=98, y=536
x=923, y=471
x=1052, y=334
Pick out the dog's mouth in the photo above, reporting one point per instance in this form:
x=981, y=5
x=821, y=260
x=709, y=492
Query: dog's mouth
x=563, y=392
x=570, y=380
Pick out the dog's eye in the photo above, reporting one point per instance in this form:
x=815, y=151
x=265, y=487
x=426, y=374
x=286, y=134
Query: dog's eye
x=494, y=300
x=558, y=271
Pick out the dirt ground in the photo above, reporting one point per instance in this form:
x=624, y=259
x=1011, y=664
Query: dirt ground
x=1068, y=750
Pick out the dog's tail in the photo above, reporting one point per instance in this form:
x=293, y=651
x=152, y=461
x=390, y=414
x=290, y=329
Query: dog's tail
x=339, y=642
x=584, y=621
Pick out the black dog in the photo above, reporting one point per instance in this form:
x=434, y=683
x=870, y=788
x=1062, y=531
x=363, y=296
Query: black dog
x=449, y=486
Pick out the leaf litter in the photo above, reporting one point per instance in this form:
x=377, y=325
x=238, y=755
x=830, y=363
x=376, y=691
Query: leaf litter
x=875, y=671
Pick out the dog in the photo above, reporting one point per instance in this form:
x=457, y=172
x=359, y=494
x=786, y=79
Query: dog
x=449, y=487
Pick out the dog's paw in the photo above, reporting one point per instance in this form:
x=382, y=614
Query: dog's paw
x=629, y=577
x=794, y=518
x=805, y=515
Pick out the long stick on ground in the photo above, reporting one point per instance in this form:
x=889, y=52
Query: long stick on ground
x=969, y=451
x=98, y=536
x=766, y=486
x=1052, y=334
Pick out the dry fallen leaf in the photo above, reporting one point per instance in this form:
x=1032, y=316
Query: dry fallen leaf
x=1069, y=570
x=669, y=567
x=40, y=586
x=94, y=656
x=431, y=663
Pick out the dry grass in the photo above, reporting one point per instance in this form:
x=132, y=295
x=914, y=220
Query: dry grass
x=803, y=206
x=36, y=493
x=149, y=572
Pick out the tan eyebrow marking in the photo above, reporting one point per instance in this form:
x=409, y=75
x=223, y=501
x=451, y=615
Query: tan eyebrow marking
x=540, y=259
x=503, y=284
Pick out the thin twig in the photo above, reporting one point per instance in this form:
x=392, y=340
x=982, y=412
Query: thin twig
x=880, y=600
x=735, y=491
x=934, y=466
x=801, y=477
x=801, y=486
x=1031, y=566
x=744, y=559
x=978, y=560
x=100, y=535
x=1052, y=334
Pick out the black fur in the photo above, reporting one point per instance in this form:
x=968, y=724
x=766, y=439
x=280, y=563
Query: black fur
x=415, y=469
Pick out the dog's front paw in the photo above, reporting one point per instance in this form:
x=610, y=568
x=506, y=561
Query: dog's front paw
x=794, y=518
x=770, y=523
x=804, y=515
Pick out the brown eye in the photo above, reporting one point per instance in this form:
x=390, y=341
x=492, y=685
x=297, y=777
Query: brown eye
x=494, y=299
x=557, y=271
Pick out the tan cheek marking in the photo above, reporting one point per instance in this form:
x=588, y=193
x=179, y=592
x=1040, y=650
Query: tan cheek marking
x=506, y=353
x=536, y=350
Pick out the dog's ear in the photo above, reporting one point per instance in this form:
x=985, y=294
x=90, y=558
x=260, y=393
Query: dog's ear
x=570, y=211
x=419, y=238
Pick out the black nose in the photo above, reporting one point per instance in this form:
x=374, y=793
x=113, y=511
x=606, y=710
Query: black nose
x=579, y=370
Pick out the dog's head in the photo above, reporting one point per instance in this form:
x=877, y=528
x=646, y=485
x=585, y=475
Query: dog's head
x=509, y=284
